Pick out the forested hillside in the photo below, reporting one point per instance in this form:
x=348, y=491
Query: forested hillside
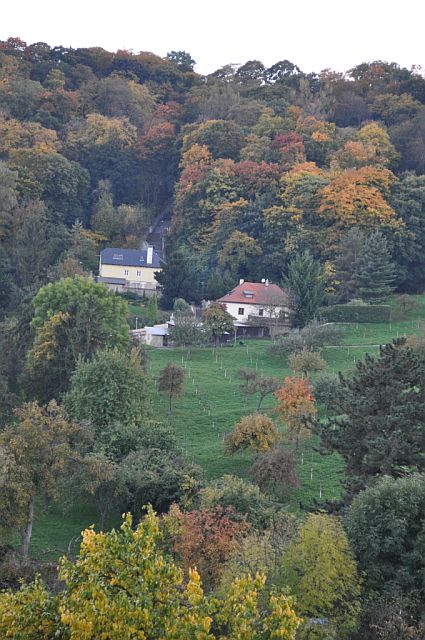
x=262, y=163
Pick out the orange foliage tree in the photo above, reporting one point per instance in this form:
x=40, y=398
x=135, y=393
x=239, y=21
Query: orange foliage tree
x=205, y=538
x=296, y=407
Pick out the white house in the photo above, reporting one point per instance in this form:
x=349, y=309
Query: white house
x=258, y=305
x=129, y=269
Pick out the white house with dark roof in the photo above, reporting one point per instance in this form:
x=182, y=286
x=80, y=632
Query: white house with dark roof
x=258, y=308
x=129, y=269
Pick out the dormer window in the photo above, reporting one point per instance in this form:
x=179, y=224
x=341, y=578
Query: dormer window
x=248, y=294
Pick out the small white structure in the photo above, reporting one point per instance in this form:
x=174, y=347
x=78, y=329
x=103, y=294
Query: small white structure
x=156, y=336
x=257, y=307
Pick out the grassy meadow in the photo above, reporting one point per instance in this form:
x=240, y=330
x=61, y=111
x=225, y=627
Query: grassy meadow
x=212, y=402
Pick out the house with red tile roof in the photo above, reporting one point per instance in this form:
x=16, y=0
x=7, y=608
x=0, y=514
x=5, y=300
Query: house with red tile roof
x=258, y=308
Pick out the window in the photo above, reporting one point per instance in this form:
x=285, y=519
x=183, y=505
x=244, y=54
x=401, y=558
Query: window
x=241, y=311
x=260, y=312
x=138, y=273
x=248, y=294
x=126, y=272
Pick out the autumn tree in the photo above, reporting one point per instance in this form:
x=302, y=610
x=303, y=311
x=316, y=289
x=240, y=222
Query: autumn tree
x=306, y=285
x=218, y=320
x=253, y=383
x=40, y=449
x=296, y=407
x=321, y=572
x=100, y=597
x=170, y=382
x=256, y=432
x=205, y=537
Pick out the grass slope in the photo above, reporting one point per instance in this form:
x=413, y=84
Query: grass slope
x=211, y=404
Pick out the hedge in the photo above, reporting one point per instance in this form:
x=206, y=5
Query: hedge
x=356, y=313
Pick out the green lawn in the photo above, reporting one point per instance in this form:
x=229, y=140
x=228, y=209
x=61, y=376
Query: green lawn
x=211, y=404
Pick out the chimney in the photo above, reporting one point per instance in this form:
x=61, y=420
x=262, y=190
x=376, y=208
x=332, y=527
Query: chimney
x=149, y=255
x=267, y=282
x=241, y=281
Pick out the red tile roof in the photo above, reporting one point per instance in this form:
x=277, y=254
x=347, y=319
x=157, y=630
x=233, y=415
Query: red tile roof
x=262, y=294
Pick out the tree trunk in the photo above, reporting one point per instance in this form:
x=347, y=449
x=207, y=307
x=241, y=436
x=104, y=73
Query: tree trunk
x=27, y=530
x=170, y=406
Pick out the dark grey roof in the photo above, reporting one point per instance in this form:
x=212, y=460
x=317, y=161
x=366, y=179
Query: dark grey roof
x=129, y=257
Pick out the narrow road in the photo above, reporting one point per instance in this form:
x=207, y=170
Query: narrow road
x=158, y=231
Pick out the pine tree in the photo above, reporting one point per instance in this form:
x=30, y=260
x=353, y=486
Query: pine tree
x=346, y=263
x=381, y=428
x=306, y=284
x=178, y=279
x=375, y=275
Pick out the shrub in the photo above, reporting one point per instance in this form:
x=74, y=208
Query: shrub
x=326, y=390
x=245, y=498
x=275, y=471
x=314, y=336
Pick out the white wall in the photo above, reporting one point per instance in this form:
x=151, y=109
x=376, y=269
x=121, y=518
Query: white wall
x=250, y=310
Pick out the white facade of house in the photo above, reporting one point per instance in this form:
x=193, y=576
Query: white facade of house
x=241, y=310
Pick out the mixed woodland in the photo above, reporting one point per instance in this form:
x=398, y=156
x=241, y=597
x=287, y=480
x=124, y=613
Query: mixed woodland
x=315, y=181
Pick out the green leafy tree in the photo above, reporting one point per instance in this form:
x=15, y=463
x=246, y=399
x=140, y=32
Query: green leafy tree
x=110, y=388
x=218, y=321
x=39, y=449
x=381, y=406
x=245, y=498
x=170, y=382
x=306, y=361
x=73, y=318
x=321, y=572
x=386, y=527
x=375, y=273
x=306, y=284
x=187, y=331
x=158, y=476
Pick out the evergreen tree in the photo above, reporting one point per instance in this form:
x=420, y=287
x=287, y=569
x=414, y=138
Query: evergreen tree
x=346, y=263
x=382, y=428
x=178, y=279
x=374, y=276
x=306, y=284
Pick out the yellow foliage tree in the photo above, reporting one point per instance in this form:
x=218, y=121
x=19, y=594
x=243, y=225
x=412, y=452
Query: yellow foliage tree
x=321, y=572
x=121, y=587
x=256, y=432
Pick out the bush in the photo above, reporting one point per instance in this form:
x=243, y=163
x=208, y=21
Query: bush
x=314, y=336
x=326, y=390
x=356, y=313
x=275, y=471
x=245, y=498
